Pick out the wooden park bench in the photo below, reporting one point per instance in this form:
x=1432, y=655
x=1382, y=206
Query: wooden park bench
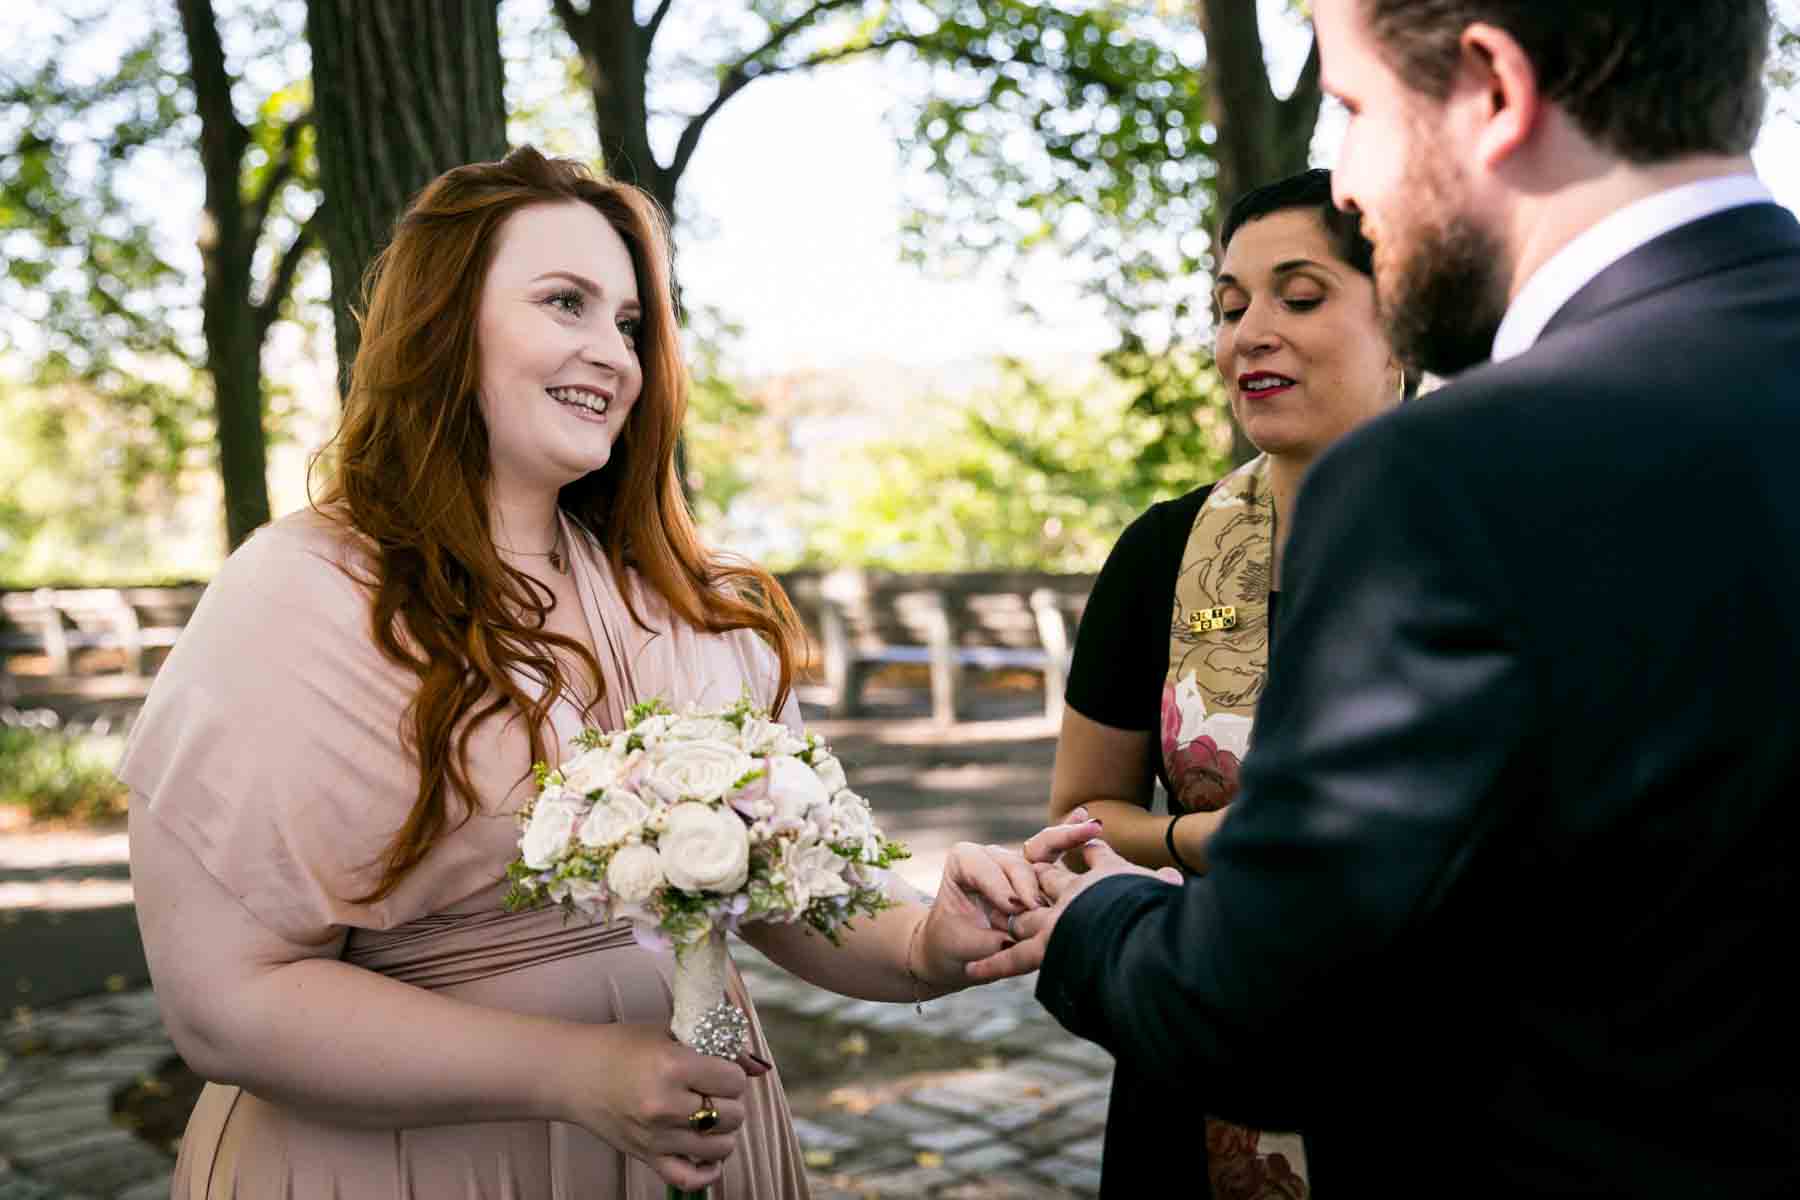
x=64, y=627
x=951, y=623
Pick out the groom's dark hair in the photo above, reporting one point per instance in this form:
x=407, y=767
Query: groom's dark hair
x=1649, y=80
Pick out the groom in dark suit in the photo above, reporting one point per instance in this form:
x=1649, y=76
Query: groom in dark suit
x=1508, y=903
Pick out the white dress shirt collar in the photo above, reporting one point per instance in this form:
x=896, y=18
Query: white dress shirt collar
x=1573, y=267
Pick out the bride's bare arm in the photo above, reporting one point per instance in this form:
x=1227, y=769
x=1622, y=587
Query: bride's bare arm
x=918, y=951
x=869, y=961
x=297, y=1027
x=920, y=948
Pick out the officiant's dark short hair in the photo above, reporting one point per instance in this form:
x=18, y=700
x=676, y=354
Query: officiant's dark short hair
x=1308, y=191
x=1648, y=80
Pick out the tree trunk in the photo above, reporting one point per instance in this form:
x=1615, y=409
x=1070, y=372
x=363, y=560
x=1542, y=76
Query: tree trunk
x=403, y=91
x=227, y=246
x=1260, y=137
x=615, y=54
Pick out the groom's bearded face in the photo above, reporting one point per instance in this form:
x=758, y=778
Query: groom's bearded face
x=1440, y=276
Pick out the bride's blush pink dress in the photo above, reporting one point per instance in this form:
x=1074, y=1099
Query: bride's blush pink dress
x=271, y=748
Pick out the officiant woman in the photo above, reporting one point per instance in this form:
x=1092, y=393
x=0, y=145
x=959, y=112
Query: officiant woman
x=326, y=774
x=1175, y=640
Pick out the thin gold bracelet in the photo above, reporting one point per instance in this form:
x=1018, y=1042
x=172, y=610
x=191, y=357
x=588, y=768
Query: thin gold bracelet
x=918, y=984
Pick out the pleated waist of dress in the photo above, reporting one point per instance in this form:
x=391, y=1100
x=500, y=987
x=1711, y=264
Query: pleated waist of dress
x=447, y=949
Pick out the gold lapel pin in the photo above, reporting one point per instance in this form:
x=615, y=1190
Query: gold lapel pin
x=1207, y=620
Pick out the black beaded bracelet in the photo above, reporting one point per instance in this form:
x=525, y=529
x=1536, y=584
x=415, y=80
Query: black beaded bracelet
x=1169, y=842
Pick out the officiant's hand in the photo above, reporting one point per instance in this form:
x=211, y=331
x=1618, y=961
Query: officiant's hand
x=1045, y=850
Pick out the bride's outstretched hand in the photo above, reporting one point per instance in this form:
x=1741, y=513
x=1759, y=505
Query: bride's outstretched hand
x=986, y=893
x=1059, y=885
x=982, y=889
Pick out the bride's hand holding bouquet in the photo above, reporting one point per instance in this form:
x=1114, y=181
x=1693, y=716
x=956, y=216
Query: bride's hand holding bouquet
x=691, y=825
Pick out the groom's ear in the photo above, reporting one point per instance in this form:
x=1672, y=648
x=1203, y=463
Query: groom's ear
x=1495, y=95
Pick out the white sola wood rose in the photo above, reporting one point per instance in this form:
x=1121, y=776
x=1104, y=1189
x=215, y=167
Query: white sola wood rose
x=618, y=816
x=702, y=729
x=547, y=836
x=635, y=873
x=703, y=770
x=705, y=849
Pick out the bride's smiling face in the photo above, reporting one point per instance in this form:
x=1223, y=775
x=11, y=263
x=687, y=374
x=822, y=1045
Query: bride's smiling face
x=556, y=333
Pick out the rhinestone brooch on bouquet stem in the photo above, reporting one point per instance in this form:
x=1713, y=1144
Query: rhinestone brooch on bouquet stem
x=722, y=1031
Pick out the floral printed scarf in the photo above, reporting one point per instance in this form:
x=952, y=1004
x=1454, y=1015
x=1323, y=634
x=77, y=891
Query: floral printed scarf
x=1218, y=658
x=1219, y=639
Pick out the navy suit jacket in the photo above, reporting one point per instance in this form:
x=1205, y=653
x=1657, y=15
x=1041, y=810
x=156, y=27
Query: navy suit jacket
x=1507, y=904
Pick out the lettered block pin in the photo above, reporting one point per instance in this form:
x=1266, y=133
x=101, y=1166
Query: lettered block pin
x=1207, y=620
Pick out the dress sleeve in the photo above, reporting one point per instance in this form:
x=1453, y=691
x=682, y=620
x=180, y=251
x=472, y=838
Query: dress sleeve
x=268, y=745
x=1122, y=646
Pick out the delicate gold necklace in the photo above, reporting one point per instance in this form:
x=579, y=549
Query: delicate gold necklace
x=554, y=555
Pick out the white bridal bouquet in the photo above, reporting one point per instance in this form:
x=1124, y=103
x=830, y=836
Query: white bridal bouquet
x=691, y=823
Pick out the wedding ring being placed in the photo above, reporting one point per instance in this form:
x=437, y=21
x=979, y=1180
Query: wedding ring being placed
x=1010, y=931
x=704, y=1119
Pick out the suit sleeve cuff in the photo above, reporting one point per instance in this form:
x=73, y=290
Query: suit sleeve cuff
x=1072, y=980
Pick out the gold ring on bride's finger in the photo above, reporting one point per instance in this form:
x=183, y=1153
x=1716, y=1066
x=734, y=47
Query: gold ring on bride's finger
x=704, y=1119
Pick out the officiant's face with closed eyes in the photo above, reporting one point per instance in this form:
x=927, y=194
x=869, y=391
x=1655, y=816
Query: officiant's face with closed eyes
x=1299, y=346
x=557, y=332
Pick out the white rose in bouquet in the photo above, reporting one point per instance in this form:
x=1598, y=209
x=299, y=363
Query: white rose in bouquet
x=794, y=790
x=618, y=816
x=552, y=825
x=701, y=729
x=696, y=770
x=635, y=873
x=705, y=849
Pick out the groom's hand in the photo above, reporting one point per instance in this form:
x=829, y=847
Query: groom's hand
x=1060, y=885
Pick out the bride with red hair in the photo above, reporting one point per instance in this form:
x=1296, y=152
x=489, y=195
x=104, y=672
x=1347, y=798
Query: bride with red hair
x=326, y=774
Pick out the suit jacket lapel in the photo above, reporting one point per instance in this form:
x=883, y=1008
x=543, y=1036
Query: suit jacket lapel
x=1716, y=243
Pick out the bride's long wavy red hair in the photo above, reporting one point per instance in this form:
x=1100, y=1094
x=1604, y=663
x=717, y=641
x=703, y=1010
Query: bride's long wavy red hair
x=411, y=476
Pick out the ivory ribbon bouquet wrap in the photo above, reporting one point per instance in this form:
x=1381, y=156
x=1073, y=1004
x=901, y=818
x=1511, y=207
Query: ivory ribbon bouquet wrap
x=688, y=824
